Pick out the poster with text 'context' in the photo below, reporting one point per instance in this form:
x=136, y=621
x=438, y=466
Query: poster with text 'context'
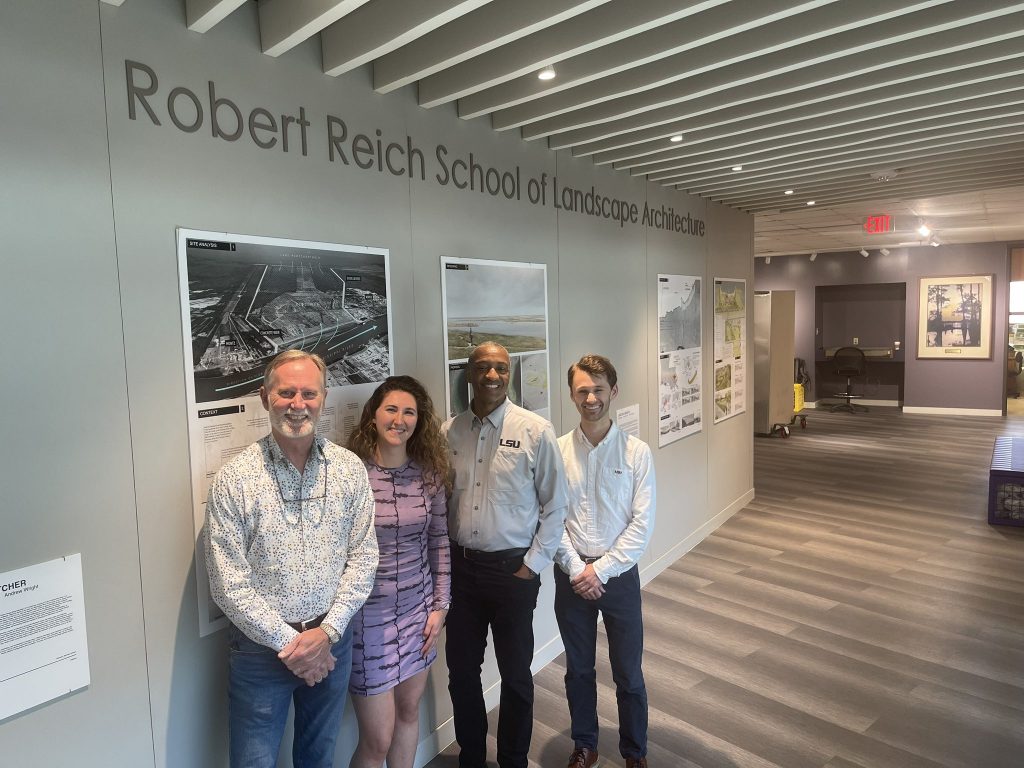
x=244, y=299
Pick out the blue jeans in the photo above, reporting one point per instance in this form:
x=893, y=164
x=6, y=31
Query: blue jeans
x=623, y=620
x=260, y=690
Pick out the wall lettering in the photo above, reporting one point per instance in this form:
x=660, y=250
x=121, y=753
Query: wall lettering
x=372, y=151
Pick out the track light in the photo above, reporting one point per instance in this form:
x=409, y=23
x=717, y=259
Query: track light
x=814, y=255
x=884, y=251
x=767, y=259
x=935, y=243
x=548, y=73
x=923, y=230
x=863, y=253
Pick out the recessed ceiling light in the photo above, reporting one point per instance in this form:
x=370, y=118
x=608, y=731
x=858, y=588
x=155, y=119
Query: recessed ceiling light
x=548, y=73
x=810, y=202
x=923, y=230
x=737, y=167
x=678, y=137
x=788, y=192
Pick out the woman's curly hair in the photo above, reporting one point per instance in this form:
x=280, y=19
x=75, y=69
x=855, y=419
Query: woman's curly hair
x=427, y=447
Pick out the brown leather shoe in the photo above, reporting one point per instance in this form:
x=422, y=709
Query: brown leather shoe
x=636, y=762
x=583, y=758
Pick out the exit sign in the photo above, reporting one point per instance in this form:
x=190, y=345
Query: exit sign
x=880, y=224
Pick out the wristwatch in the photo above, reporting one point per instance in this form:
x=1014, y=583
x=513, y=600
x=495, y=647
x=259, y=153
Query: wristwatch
x=331, y=632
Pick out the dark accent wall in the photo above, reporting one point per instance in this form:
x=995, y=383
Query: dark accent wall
x=967, y=384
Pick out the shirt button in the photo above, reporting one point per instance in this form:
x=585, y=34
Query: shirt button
x=478, y=485
x=476, y=533
x=482, y=438
x=479, y=461
x=475, y=508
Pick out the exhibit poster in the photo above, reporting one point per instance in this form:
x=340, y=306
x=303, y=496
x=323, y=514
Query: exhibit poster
x=43, y=648
x=730, y=347
x=679, y=346
x=502, y=301
x=244, y=299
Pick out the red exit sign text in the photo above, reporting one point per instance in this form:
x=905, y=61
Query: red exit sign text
x=877, y=225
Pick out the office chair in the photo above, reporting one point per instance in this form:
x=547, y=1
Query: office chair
x=848, y=362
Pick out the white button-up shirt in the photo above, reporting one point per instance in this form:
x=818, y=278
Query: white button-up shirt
x=611, y=502
x=509, y=483
x=272, y=560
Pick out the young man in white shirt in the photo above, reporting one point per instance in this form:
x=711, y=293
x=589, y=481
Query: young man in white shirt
x=611, y=516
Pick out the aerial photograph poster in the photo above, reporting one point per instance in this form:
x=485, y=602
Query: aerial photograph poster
x=730, y=347
x=246, y=298
x=501, y=301
x=679, y=364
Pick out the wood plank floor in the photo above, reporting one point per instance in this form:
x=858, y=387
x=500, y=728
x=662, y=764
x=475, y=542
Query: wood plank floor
x=860, y=613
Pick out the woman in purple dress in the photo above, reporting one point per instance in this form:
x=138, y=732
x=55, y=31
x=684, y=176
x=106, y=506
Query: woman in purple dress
x=395, y=633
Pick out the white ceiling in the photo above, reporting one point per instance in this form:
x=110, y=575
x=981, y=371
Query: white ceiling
x=816, y=96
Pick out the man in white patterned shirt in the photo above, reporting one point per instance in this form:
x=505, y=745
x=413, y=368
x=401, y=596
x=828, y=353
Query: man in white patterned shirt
x=291, y=554
x=608, y=526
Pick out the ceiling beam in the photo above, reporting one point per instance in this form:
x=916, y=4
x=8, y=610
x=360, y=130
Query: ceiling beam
x=1003, y=154
x=383, y=26
x=785, y=92
x=476, y=33
x=286, y=23
x=801, y=67
x=202, y=15
x=836, y=117
x=938, y=188
x=596, y=29
x=823, y=138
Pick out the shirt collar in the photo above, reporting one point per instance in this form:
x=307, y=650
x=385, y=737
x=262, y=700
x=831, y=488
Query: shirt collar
x=582, y=438
x=276, y=454
x=495, y=417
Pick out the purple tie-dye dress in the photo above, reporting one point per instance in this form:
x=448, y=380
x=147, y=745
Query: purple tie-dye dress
x=413, y=578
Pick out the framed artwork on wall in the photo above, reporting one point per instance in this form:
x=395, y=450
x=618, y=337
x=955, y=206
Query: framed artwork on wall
x=955, y=318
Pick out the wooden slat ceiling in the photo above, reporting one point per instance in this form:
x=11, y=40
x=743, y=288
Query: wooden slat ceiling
x=881, y=106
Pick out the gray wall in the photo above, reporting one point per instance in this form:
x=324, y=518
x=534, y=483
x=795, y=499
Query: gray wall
x=91, y=200
x=970, y=385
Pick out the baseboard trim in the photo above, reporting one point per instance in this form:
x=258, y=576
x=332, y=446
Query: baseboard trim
x=694, y=538
x=859, y=401
x=951, y=411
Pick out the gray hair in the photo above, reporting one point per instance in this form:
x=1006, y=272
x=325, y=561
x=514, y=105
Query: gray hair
x=292, y=356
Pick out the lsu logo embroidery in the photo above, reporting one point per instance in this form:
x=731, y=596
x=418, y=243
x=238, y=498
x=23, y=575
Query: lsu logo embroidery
x=509, y=443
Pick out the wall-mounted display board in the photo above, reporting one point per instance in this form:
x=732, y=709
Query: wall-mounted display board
x=244, y=299
x=955, y=318
x=501, y=301
x=730, y=347
x=43, y=648
x=679, y=365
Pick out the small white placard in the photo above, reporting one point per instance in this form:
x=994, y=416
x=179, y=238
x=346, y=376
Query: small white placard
x=43, y=648
x=628, y=419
